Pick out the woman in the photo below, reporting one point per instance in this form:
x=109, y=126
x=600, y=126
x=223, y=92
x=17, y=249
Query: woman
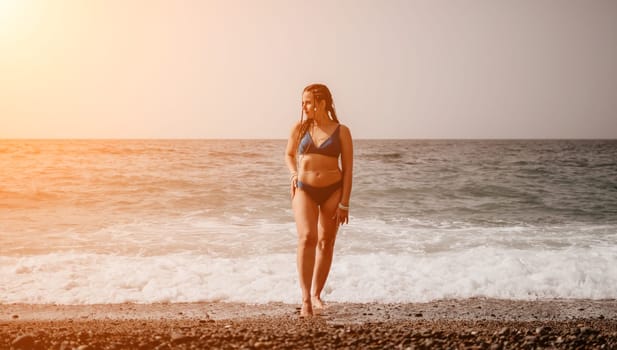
x=320, y=190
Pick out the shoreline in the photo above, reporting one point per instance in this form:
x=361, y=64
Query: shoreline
x=468, y=323
x=451, y=309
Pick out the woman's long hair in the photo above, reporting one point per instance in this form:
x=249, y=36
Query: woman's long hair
x=320, y=92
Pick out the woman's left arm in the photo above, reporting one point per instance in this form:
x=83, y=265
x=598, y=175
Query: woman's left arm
x=347, y=168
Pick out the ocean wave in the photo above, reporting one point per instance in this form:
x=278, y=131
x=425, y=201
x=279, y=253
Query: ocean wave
x=73, y=278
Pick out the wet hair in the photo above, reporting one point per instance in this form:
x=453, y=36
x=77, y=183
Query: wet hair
x=320, y=92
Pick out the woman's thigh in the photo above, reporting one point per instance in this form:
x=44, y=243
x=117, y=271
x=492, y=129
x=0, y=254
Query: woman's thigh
x=305, y=213
x=327, y=224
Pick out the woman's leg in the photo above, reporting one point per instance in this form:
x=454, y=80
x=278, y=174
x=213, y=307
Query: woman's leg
x=325, y=246
x=306, y=216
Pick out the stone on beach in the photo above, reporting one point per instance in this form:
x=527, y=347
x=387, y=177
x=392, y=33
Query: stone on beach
x=25, y=341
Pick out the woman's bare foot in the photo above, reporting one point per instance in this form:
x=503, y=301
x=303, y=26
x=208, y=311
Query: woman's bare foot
x=318, y=303
x=307, y=309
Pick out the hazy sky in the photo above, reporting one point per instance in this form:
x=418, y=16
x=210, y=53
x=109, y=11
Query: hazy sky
x=236, y=69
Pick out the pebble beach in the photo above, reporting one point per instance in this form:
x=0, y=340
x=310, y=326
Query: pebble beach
x=462, y=324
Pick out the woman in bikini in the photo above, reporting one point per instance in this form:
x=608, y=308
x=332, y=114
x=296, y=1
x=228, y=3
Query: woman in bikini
x=320, y=189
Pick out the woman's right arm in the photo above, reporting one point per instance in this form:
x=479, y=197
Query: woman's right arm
x=290, y=157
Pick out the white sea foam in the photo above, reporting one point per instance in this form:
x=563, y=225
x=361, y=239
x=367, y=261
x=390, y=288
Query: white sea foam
x=79, y=278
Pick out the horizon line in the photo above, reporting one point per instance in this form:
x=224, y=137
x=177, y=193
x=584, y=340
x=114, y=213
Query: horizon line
x=283, y=139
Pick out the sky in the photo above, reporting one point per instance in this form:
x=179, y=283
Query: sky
x=399, y=69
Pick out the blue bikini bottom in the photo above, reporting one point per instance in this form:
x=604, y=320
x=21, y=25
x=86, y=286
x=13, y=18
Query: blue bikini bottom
x=320, y=194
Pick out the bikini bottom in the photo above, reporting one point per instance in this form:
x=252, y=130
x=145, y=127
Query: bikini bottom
x=320, y=194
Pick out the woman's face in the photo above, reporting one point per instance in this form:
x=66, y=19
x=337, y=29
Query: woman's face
x=309, y=105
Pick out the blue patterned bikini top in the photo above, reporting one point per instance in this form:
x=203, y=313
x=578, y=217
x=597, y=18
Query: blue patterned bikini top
x=331, y=147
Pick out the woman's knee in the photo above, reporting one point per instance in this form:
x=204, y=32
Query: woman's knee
x=307, y=239
x=325, y=244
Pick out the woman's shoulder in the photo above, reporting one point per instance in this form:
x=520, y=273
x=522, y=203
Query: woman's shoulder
x=344, y=128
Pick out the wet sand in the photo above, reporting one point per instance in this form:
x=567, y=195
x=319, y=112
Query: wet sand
x=470, y=323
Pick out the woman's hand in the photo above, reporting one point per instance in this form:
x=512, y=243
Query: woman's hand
x=341, y=216
x=293, y=186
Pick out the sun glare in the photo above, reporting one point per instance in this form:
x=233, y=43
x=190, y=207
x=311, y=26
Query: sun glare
x=8, y=9
x=10, y=13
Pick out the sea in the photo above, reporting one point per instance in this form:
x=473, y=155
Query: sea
x=149, y=221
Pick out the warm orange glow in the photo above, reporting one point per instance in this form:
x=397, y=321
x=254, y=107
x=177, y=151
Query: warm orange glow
x=11, y=16
x=7, y=7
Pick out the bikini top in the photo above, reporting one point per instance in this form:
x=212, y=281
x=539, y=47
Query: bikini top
x=331, y=147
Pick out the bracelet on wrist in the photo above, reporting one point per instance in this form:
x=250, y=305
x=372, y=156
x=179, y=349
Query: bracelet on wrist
x=292, y=176
x=342, y=207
